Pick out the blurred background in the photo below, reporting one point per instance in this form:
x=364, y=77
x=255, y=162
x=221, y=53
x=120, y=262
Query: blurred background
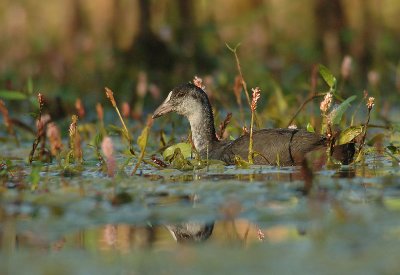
x=73, y=48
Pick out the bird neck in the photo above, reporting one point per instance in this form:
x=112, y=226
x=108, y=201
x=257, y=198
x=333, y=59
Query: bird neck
x=203, y=131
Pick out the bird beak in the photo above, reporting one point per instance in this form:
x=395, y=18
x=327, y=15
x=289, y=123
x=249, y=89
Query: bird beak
x=164, y=108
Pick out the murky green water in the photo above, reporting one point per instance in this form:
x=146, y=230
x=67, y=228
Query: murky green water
x=224, y=220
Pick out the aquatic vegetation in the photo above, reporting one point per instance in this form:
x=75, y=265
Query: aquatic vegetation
x=88, y=186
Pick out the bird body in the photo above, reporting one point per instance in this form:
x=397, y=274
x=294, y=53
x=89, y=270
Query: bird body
x=271, y=146
x=283, y=147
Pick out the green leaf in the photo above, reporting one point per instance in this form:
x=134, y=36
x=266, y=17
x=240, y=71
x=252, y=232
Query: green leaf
x=280, y=99
x=310, y=128
x=337, y=114
x=349, y=134
x=142, y=139
x=12, y=95
x=29, y=86
x=240, y=163
x=327, y=76
x=178, y=160
x=186, y=150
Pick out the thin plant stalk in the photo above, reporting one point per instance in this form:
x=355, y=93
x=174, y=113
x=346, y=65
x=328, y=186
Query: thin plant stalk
x=253, y=106
x=370, y=105
x=250, y=156
x=234, y=51
x=239, y=68
x=40, y=130
x=110, y=96
x=142, y=142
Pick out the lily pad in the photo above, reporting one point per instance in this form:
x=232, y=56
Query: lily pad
x=186, y=150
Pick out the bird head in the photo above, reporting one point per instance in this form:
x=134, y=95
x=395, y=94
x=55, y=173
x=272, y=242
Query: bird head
x=185, y=99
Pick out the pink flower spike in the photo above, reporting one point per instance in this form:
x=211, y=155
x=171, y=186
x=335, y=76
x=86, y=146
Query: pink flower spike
x=326, y=103
x=370, y=102
x=256, y=97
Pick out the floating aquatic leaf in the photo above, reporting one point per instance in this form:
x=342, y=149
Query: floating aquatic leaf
x=337, y=114
x=186, y=150
x=12, y=95
x=349, y=134
x=327, y=76
x=29, y=86
x=240, y=163
x=178, y=160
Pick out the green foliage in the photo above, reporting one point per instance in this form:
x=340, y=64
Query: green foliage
x=185, y=148
x=240, y=163
x=280, y=99
x=29, y=86
x=142, y=139
x=179, y=161
x=12, y=95
x=349, y=134
x=310, y=128
x=328, y=77
x=142, y=142
x=337, y=114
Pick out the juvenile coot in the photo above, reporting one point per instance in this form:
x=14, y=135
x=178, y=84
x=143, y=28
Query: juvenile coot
x=276, y=146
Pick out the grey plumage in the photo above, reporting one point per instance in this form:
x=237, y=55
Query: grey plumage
x=274, y=146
